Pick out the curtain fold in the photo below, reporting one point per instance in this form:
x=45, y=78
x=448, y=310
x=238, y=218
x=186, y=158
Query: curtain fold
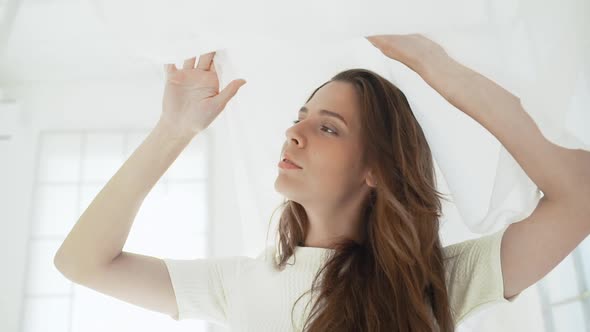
x=538, y=50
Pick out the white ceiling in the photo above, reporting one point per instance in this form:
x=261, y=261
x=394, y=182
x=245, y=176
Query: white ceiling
x=49, y=40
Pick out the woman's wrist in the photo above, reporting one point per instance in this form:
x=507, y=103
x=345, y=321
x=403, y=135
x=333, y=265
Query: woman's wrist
x=172, y=131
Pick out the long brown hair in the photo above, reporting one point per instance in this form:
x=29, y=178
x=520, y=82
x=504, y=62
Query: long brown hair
x=395, y=279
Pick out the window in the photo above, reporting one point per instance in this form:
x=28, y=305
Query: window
x=565, y=295
x=72, y=167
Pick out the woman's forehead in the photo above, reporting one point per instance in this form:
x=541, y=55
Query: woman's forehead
x=339, y=97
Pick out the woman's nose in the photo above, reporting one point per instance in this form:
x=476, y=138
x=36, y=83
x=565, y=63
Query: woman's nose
x=294, y=136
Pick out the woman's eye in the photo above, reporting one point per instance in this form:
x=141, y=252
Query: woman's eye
x=332, y=130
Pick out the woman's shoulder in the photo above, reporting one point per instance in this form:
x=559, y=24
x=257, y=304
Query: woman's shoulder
x=474, y=273
x=483, y=243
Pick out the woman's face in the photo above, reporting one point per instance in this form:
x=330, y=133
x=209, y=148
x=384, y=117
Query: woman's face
x=326, y=147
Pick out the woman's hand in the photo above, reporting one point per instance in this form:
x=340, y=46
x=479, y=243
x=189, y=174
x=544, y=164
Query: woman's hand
x=191, y=96
x=412, y=50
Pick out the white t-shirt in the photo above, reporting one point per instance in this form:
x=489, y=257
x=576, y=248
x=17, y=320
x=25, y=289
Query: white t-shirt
x=247, y=294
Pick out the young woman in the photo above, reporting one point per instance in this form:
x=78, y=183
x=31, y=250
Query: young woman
x=359, y=228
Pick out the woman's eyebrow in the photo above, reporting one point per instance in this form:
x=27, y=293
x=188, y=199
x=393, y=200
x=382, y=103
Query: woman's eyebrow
x=327, y=113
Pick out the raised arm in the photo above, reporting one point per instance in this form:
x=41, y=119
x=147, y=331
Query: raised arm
x=100, y=233
x=92, y=255
x=535, y=245
x=92, y=252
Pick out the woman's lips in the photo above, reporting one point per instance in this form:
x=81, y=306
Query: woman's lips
x=287, y=165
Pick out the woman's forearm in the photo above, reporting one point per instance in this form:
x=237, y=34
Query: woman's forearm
x=101, y=231
x=557, y=171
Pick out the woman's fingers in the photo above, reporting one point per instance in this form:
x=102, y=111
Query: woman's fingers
x=189, y=63
x=169, y=68
x=375, y=39
x=228, y=92
x=205, y=61
x=382, y=41
x=213, y=66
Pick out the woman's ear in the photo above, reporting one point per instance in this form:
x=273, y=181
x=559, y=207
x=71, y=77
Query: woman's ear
x=370, y=179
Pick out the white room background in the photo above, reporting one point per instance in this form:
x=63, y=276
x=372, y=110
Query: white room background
x=76, y=101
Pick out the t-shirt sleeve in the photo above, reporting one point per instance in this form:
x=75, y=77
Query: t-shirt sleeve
x=474, y=274
x=201, y=287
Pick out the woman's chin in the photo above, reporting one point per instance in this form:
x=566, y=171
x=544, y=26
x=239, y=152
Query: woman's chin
x=285, y=192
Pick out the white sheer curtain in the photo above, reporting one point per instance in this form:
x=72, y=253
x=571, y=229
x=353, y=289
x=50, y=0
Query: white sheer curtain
x=538, y=50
